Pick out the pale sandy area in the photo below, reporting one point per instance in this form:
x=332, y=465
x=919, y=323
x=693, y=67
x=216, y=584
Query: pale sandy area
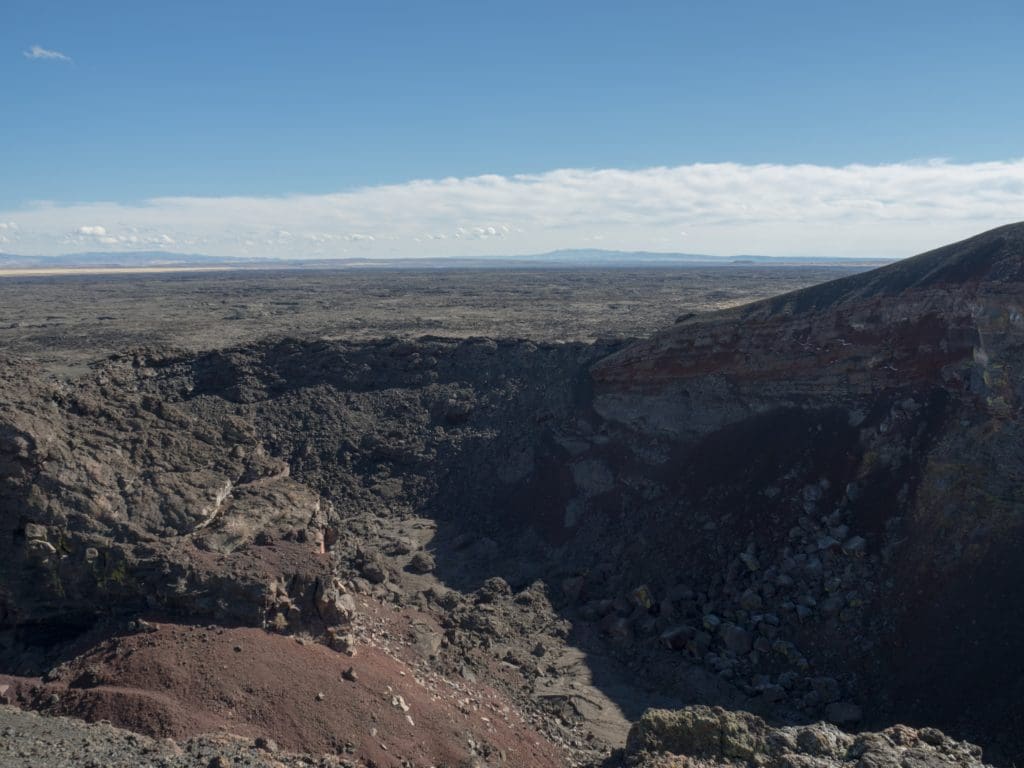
x=105, y=271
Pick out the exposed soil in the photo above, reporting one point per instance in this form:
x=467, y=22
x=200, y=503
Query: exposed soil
x=180, y=680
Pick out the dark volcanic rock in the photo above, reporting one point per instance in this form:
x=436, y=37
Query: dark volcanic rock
x=804, y=507
x=861, y=440
x=215, y=487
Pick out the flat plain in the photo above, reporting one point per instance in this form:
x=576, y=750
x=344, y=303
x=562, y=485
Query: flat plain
x=67, y=321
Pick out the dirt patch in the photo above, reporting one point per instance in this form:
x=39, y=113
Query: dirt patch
x=180, y=681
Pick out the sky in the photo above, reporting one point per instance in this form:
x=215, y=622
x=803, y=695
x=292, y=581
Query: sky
x=384, y=128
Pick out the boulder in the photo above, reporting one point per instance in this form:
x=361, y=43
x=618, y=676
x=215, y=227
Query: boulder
x=699, y=731
x=35, y=531
x=334, y=604
x=736, y=639
x=677, y=637
x=421, y=562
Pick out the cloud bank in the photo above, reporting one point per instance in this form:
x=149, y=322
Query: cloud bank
x=714, y=208
x=38, y=52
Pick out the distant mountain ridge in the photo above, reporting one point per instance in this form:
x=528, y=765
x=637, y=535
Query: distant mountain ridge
x=100, y=259
x=566, y=257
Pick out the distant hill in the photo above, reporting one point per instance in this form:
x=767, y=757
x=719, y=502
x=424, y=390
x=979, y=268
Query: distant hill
x=568, y=257
x=599, y=256
x=97, y=259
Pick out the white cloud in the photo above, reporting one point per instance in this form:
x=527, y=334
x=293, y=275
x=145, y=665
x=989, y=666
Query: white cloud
x=8, y=232
x=481, y=233
x=38, y=52
x=95, y=234
x=719, y=208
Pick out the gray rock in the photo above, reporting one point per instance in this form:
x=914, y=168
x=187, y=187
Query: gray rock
x=677, y=637
x=421, y=562
x=39, y=549
x=374, y=571
x=750, y=600
x=711, y=622
x=736, y=639
x=35, y=531
x=751, y=561
x=334, y=604
x=855, y=546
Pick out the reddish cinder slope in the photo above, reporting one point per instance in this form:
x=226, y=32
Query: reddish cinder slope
x=182, y=681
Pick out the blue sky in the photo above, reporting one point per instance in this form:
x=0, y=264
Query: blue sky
x=254, y=100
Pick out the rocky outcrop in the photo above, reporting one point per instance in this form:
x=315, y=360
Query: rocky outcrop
x=218, y=487
x=850, y=451
x=116, y=502
x=712, y=737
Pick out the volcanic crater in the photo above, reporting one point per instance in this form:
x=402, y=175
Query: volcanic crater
x=440, y=551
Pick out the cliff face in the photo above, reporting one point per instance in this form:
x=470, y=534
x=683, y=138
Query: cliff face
x=950, y=319
x=885, y=407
